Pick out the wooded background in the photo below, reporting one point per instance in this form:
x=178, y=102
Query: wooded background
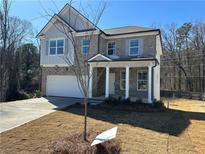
x=19, y=57
x=183, y=59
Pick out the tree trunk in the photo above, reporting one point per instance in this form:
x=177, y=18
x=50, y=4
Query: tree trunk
x=85, y=117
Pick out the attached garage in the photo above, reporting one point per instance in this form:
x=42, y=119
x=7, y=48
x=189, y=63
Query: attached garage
x=63, y=85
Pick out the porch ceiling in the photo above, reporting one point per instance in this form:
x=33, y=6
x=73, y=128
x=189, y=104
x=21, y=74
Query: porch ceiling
x=133, y=63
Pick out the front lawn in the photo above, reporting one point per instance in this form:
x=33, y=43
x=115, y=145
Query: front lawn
x=180, y=129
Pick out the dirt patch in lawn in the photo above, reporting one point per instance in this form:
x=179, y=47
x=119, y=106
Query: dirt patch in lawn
x=180, y=129
x=76, y=144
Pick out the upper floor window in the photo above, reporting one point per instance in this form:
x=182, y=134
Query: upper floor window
x=133, y=47
x=56, y=47
x=85, y=46
x=111, y=48
x=142, y=80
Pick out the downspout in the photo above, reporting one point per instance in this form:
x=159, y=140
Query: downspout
x=156, y=63
x=98, y=51
x=40, y=71
x=99, y=41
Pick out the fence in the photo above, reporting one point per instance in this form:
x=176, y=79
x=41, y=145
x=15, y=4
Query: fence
x=177, y=94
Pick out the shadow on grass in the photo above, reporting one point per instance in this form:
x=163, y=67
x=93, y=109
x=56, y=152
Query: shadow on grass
x=170, y=121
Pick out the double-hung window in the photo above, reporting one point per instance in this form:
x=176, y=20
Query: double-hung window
x=133, y=47
x=85, y=46
x=142, y=80
x=122, y=80
x=56, y=47
x=111, y=48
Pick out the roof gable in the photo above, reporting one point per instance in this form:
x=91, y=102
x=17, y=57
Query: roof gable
x=99, y=57
x=75, y=18
x=71, y=18
x=55, y=18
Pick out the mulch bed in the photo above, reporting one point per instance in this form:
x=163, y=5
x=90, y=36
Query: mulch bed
x=140, y=107
x=132, y=107
x=76, y=144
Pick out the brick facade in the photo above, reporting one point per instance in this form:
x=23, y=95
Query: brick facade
x=98, y=80
x=100, y=87
x=53, y=71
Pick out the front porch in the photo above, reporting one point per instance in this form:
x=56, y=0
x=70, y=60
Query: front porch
x=125, y=79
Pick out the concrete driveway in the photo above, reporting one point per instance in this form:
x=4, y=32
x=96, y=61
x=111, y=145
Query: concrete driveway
x=16, y=113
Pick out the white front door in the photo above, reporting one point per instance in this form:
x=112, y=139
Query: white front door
x=112, y=83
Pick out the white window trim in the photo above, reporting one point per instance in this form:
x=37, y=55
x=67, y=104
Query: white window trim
x=133, y=47
x=85, y=46
x=121, y=87
x=142, y=71
x=114, y=53
x=56, y=39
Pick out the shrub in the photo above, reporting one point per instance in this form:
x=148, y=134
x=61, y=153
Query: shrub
x=111, y=100
x=115, y=101
x=126, y=101
x=107, y=100
x=157, y=104
x=37, y=93
x=78, y=103
x=22, y=95
x=120, y=98
x=139, y=101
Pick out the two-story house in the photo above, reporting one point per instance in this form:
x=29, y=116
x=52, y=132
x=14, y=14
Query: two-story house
x=125, y=61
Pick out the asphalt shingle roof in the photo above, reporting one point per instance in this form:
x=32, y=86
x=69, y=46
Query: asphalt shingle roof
x=126, y=29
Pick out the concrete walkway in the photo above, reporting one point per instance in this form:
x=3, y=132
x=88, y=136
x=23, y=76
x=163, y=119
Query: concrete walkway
x=16, y=113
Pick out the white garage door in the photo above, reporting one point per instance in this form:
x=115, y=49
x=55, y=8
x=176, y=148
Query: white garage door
x=63, y=85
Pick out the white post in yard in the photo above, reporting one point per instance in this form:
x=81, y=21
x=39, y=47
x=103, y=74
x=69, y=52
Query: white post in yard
x=90, y=81
x=127, y=82
x=149, y=84
x=107, y=82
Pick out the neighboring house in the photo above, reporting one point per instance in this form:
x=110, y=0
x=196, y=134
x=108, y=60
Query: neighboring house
x=125, y=61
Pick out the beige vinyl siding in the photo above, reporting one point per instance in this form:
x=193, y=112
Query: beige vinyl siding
x=54, y=33
x=75, y=19
x=46, y=59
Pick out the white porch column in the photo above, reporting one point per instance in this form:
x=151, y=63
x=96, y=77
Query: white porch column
x=127, y=74
x=90, y=82
x=107, y=82
x=149, y=84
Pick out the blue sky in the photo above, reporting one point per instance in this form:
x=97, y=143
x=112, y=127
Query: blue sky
x=118, y=12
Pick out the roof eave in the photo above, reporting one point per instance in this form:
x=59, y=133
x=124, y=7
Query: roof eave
x=144, y=31
x=113, y=60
